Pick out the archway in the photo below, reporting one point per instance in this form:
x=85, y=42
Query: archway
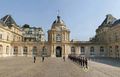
x=15, y=50
x=73, y=50
x=58, y=51
x=7, y=50
x=25, y=50
x=34, y=50
x=92, y=51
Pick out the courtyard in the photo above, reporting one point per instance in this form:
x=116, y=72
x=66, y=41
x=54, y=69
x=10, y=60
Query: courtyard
x=56, y=67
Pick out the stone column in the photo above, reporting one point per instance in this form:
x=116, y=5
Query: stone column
x=4, y=50
x=64, y=36
x=52, y=37
x=12, y=50
x=78, y=50
x=9, y=50
x=64, y=50
x=87, y=51
x=30, y=50
x=53, y=48
x=21, y=50
x=68, y=36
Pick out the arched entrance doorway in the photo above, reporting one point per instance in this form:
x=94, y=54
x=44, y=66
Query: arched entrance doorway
x=15, y=50
x=58, y=51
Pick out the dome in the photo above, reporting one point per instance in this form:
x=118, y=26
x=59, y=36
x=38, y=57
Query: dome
x=58, y=23
x=58, y=20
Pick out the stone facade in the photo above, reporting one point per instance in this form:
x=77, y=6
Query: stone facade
x=59, y=38
x=108, y=34
x=9, y=32
x=29, y=41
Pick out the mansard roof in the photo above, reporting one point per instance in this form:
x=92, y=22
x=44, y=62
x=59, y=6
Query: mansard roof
x=116, y=22
x=26, y=26
x=109, y=20
x=8, y=20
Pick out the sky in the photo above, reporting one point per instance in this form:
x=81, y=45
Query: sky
x=82, y=17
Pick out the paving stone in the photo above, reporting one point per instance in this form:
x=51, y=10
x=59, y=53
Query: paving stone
x=53, y=67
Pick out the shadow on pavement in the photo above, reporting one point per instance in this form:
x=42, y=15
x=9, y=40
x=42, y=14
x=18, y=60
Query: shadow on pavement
x=110, y=61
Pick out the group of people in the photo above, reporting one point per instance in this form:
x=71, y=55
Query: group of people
x=82, y=61
x=34, y=58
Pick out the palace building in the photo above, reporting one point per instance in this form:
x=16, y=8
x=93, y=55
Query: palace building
x=25, y=40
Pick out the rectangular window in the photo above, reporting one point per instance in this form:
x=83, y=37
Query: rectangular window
x=82, y=50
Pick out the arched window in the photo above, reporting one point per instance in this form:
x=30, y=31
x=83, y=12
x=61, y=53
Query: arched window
x=101, y=50
x=72, y=50
x=44, y=51
x=1, y=49
x=34, y=50
x=92, y=51
x=7, y=50
x=116, y=51
x=110, y=50
x=58, y=37
x=25, y=50
x=82, y=50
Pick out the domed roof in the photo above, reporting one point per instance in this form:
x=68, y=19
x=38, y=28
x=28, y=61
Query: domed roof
x=58, y=23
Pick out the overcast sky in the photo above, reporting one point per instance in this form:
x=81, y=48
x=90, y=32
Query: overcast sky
x=82, y=17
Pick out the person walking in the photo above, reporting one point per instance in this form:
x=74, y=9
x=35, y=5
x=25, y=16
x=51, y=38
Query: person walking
x=86, y=62
x=80, y=61
x=83, y=61
x=34, y=59
x=64, y=58
x=42, y=58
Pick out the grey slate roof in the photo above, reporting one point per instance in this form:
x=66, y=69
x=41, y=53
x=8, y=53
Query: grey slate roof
x=116, y=22
x=8, y=20
x=109, y=20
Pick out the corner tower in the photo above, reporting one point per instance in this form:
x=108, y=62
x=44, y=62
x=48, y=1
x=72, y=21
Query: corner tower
x=58, y=38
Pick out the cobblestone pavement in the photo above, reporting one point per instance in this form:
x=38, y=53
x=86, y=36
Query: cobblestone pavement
x=53, y=67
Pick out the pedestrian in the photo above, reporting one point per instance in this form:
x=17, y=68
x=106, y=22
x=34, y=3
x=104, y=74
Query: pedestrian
x=83, y=61
x=80, y=61
x=64, y=58
x=42, y=58
x=34, y=59
x=86, y=62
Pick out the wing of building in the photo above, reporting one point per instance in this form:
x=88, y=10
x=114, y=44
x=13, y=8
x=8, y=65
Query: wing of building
x=30, y=41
